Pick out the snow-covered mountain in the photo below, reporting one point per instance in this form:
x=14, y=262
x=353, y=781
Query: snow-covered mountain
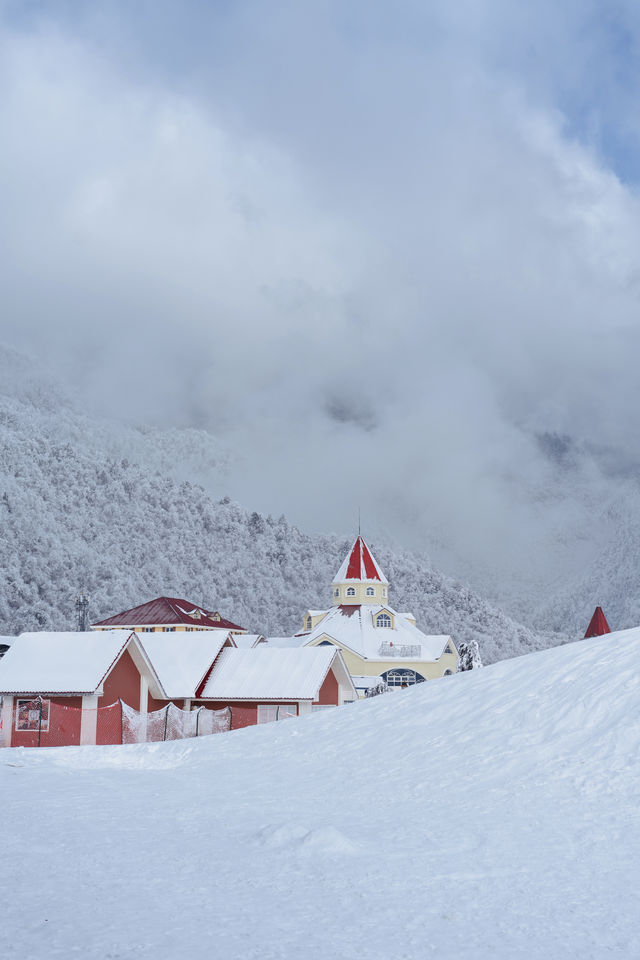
x=91, y=505
x=487, y=816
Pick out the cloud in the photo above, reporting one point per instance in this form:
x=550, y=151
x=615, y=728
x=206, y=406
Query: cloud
x=379, y=255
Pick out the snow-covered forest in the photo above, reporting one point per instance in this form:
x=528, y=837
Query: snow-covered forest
x=99, y=507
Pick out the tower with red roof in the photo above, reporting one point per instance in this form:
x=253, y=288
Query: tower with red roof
x=359, y=579
x=598, y=625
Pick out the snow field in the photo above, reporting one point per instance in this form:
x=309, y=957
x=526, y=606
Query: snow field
x=492, y=814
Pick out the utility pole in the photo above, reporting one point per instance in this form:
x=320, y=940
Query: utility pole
x=82, y=613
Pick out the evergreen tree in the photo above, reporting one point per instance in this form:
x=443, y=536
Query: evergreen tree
x=469, y=658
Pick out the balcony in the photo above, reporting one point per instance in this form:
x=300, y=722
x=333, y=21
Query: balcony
x=411, y=650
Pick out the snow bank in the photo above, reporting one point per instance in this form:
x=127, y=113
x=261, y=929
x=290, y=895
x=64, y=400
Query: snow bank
x=488, y=815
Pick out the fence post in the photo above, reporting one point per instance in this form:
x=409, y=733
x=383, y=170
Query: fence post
x=198, y=719
x=40, y=718
x=121, y=721
x=166, y=717
x=230, y=717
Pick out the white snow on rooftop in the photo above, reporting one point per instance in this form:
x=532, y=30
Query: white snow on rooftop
x=181, y=660
x=244, y=641
x=269, y=673
x=354, y=626
x=341, y=575
x=49, y=662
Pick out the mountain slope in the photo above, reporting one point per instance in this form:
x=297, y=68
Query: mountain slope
x=77, y=513
x=488, y=815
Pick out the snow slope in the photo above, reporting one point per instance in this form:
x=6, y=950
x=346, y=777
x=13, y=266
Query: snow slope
x=490, y=815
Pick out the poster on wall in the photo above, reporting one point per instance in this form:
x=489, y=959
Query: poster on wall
x=28, y=715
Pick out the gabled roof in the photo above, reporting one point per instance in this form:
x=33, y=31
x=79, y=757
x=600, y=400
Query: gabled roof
x=247, y=640
x=182, y=665
x=597, y=625
x=360, y=564
x=168, y=610
x=353, y=625
x=267, y=673
x=50, y=662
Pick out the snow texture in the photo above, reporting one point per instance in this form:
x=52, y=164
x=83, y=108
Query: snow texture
x=267, y=673
x=487, y=816
x=60, y=662
x=181, y=660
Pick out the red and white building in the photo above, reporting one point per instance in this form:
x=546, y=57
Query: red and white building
x=61, y=689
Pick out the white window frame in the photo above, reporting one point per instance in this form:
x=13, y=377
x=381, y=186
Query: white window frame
x=383, y=616
x=351, y=592
x=371, y=592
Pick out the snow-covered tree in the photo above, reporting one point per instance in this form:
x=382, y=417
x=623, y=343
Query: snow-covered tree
x=469, y=656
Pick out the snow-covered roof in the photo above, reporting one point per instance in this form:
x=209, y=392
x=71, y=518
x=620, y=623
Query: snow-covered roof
x=365, y=683
x=247, y=640
x=288, y=642
x=353, y=625
x=360, y=564
x=181, y=663
x=50, y=662
x=268, y=673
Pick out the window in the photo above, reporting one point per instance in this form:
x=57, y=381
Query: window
x=169, y=629
x=3, y=649
x=402, y=678
x=448, y=673
x=370, y=592
x=28, y=715
x=268, y=712
x=148, y=629
x=448, y=649
x=336, y=592
x=309, y=623
x=383, y=620
x=325, y=643
x=384, y=591
x=351, y=592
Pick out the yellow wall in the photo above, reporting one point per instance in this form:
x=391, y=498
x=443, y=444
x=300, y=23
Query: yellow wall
x=360, y=667
x=380, y=594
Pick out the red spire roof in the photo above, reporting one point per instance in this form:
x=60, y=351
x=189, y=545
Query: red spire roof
x=597, y=625
x=360, y=565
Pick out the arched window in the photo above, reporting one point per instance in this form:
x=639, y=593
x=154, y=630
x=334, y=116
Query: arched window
x=402, y=678
x=351, y=592
x=448, y=673
x=370, y=592
x=383, y=620
x=336, y=592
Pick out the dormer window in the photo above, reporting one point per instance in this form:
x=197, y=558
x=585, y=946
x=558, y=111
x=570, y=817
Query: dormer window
x=351, y=592
x=370, y=592
x=383, y=620
x=309, y=623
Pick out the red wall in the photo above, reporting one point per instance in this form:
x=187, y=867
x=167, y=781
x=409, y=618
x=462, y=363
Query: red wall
x=64, y=724
x=123, y=682
x=244, y=713
x=329, y=690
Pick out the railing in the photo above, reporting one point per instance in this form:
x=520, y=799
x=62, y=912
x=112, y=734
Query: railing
x=388, y=649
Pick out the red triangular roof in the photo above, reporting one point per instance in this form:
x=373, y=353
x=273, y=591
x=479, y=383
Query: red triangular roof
x=168, y=610
x=360, y=565
x=597, y=625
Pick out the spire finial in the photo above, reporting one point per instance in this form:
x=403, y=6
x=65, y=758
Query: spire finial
x=358, y=521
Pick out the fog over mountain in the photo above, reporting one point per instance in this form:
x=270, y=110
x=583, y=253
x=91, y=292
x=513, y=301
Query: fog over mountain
x=385, y=257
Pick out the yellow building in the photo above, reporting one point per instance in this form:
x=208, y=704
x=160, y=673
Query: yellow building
x=376, y=641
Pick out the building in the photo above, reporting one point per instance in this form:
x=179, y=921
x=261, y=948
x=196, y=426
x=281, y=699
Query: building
x=113, y=686
x=375, y=640
x=170, y=615
x=265, y=683
x=55, y=686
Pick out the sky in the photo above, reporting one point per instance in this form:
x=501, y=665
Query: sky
x=386, y=253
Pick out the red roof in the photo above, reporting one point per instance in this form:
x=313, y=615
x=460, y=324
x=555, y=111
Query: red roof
x=360, y=565
x=168, y=610
x=597, y=625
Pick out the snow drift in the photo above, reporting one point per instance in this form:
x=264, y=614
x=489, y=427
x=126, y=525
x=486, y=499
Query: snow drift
x=491, y=814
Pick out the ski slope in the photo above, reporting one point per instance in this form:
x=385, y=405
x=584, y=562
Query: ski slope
x=493, y=814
